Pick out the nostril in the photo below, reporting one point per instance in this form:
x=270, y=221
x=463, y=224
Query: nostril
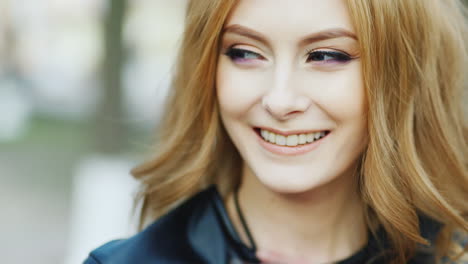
x=294, y=112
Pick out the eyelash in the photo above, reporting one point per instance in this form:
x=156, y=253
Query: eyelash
x=237, y=55
x=339, y=57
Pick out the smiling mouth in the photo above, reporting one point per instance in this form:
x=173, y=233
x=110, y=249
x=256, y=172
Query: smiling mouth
x=292, y=140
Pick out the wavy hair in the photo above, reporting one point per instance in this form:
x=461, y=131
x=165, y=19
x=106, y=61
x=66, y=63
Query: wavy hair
x=414, y=58
x=414, y=62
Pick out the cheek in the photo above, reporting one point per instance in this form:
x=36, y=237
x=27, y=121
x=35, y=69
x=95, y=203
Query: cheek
x=347, y=96
x=341, y=94
x=237, y=90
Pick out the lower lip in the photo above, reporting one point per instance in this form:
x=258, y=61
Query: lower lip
x=290, y=151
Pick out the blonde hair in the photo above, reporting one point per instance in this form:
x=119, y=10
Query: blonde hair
x=414, y=58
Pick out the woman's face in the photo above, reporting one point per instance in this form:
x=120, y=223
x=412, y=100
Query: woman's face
x=290, y=91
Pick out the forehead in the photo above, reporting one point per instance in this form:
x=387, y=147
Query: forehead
x=290, y=18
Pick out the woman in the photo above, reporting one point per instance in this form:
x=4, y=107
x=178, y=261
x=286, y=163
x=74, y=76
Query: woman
x=329, y=132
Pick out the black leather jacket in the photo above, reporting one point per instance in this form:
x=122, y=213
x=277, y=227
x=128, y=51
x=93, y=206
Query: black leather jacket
x=199, y=231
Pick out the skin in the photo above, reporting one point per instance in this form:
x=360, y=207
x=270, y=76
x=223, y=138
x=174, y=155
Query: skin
x=302, y=208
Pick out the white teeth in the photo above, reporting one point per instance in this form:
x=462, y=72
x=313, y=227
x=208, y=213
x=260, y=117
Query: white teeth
x=291, y=140
x=317, y=135
x=280, y=140
x=302, y=139
x=271, y=137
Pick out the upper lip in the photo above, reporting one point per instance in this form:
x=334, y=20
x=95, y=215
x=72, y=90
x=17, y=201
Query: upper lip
x=292, y=132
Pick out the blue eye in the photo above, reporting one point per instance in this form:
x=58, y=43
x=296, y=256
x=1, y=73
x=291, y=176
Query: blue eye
x=242, y=55
x=328, y=56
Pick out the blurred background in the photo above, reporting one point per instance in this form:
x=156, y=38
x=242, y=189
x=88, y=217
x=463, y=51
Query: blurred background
x=81, y=84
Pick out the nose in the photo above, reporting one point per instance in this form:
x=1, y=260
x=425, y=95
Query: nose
x=283, y=100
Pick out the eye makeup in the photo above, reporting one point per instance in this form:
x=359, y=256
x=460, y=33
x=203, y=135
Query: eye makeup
x=328, y=56
x=316, y=57
x=238, y=55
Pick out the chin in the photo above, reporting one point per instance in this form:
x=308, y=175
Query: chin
x=300, y=178
x=292, y=181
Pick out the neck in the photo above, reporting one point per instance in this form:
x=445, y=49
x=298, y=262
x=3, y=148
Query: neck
x=322, y=225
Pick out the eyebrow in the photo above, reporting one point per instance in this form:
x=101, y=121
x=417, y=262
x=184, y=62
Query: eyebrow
x=311, y=38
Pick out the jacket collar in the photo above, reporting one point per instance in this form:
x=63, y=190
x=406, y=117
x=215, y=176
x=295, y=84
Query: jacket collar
x=212, y=234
